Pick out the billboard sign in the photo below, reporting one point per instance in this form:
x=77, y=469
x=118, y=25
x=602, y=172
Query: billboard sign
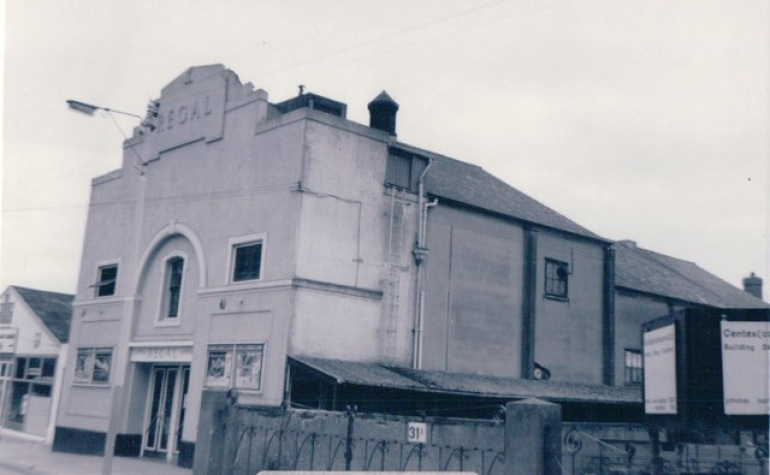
x=660, y=370
x=745, y=367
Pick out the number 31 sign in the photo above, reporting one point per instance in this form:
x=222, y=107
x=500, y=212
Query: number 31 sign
x=417, y=432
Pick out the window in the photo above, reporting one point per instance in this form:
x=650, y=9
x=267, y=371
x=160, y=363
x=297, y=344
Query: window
x=403, y=169
x=49, y=368
x=398, y=173
x=41, y=390
x=108, y=277
x=633, y=367
x=34, y=368
x=93, y=365
x=235, y=366
x=247, y=261
x=173, y=287
x=6, y=311
x=556, y=279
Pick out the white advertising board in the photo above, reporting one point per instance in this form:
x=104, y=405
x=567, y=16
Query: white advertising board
x=745, y=367
x=660, y=371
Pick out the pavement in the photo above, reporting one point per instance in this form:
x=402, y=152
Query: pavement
x=29, y=455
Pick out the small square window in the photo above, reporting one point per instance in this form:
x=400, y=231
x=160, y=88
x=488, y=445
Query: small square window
x=398, y=172
x=556, y=279
x=633, y=368
x=247, y=261
x=108, y=277
x=93, y=365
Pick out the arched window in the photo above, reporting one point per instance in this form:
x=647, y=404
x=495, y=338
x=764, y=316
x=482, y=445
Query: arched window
x=173, y=287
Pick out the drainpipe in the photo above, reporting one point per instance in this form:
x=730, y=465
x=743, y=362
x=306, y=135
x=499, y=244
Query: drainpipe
x=529, y=304
x=420, y=254
x=608, y=320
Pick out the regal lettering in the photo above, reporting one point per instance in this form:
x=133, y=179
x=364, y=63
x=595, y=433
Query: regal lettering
x=184, y=114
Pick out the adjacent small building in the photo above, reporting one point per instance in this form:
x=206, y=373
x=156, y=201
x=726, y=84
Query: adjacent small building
x=34, y=335
x=649, y=285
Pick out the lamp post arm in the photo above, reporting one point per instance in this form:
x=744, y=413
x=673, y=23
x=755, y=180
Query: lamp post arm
x=90, y=109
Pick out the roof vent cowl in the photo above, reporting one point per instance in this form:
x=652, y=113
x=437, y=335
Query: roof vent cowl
x=753, y=285
x=382, y=113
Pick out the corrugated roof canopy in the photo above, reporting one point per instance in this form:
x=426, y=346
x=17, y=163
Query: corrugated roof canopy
x=379, y=375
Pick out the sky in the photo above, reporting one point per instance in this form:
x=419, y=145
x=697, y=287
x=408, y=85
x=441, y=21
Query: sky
x=642, y=120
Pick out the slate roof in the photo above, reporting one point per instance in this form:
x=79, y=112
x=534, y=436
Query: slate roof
x=379, y=375
x=471, y=185
x=650, y=272
x=53, y=308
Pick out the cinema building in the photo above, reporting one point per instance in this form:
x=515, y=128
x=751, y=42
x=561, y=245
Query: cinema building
x=242, y=238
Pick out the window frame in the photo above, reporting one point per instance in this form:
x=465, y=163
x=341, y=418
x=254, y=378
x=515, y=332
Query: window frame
x=90, y=367
x=163, y=318
x=6, y=311
x=98, y=282
x=390, y=172
x=633, y=375
x=241, y=242
x=551, y=278
x=229, y=356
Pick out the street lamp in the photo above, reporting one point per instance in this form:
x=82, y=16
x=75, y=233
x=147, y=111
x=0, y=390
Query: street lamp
x=90, y=109
x=116, y=394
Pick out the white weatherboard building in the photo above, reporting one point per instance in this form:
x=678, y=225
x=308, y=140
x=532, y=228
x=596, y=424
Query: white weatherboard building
x=34, y=331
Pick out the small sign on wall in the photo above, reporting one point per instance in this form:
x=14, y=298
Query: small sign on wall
x=417, y=432
x=8, y=336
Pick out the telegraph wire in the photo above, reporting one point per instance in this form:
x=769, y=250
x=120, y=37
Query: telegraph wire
x=381, y=38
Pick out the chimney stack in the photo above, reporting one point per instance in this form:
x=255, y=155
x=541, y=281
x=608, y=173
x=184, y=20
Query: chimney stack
x=382, y=113
x=753, y=285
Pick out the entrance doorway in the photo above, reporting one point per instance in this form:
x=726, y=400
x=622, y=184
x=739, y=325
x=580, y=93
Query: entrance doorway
x=166, y=409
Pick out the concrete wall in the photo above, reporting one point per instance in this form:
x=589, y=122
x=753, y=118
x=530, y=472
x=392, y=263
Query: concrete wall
x=569, y=333
x=261, y=439
x=473, y=320
x=282, y=440
x=473, y=294
x=354, y=233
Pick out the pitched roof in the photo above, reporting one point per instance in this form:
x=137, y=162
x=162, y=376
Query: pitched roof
x=471, y=185
x=53, y=308
x=650, y=272
x=379, y=375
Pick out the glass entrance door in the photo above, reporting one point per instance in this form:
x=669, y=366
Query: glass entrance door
x=168, y=389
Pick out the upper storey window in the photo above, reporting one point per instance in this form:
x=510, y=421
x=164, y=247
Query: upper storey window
x=247, y=261
x=108, y=278
x=173, y=287
x=556, y=279
x=6, y=311
x=403, y=169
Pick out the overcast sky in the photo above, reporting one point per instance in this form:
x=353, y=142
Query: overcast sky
x=643, y=120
